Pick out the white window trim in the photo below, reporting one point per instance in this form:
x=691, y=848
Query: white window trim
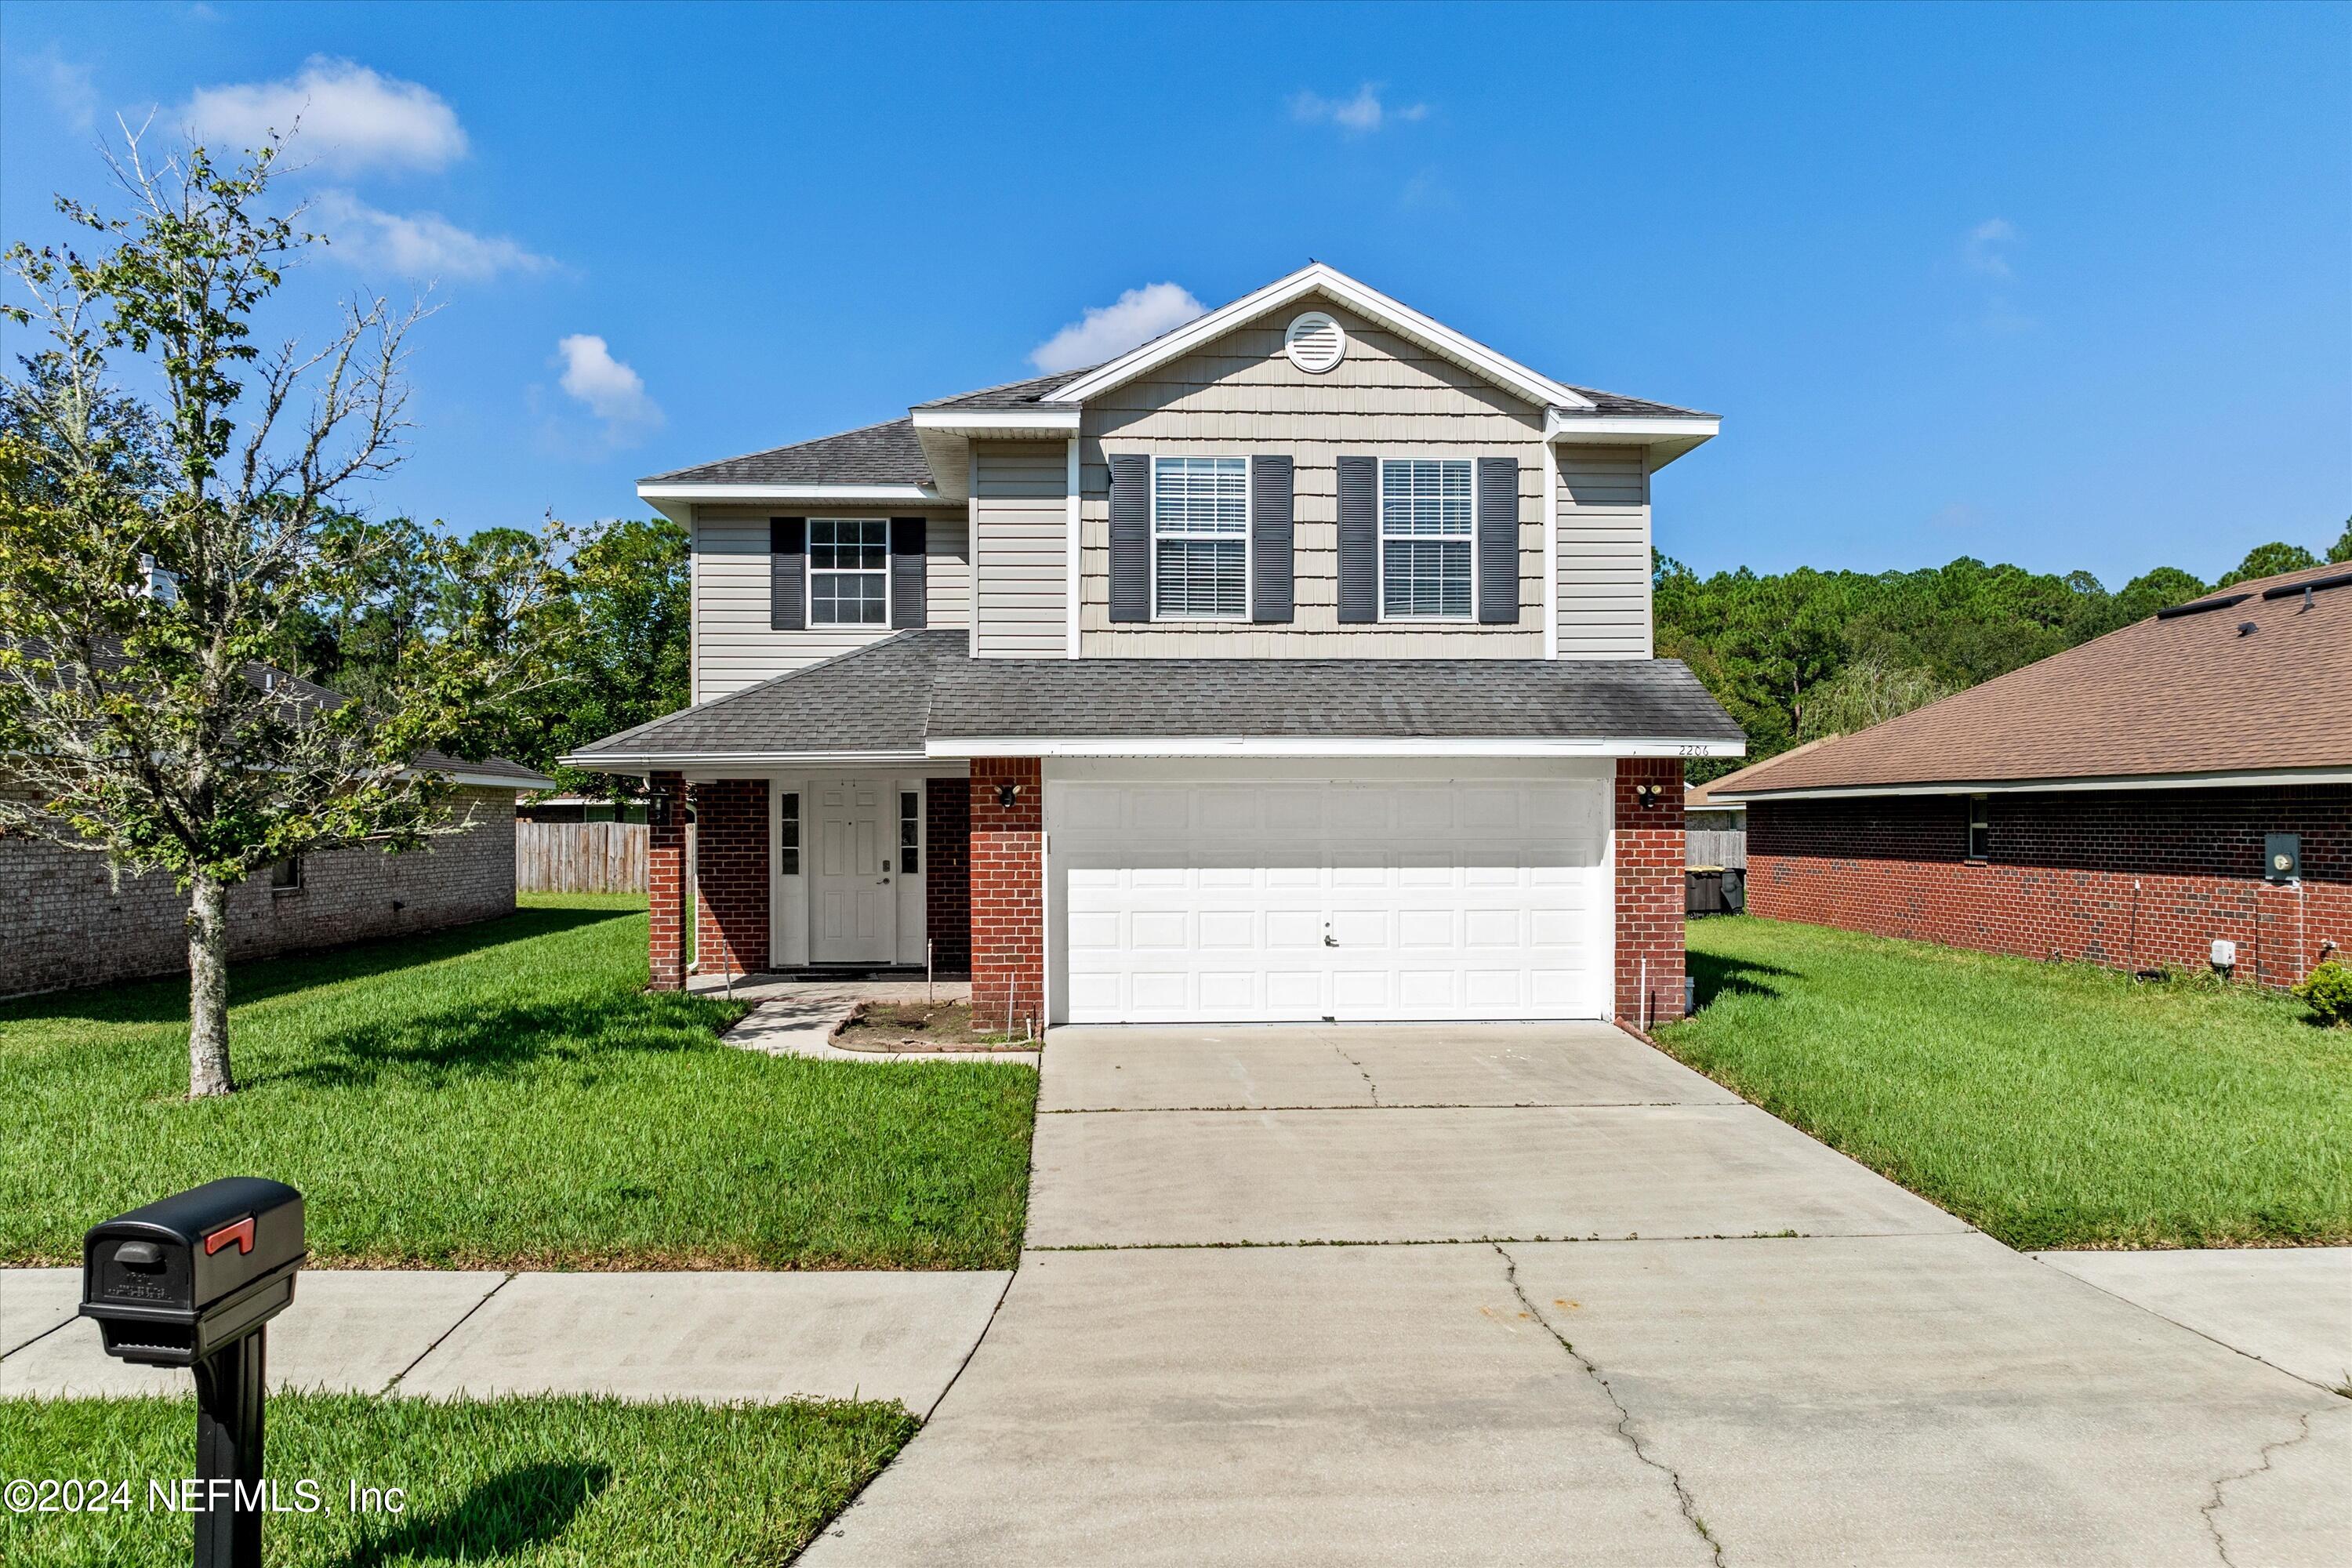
x=1380, y=546
x=809, y=570
x=1248, y=534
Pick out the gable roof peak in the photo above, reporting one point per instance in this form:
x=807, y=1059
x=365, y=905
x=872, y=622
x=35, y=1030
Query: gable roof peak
x=1322, y=278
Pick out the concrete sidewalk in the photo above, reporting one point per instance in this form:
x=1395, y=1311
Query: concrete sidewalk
x=707, y=1336
x=2289, y=1305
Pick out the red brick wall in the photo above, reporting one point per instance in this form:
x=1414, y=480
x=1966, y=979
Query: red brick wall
x=2130, y=879
x=666, y=886
x=1651, y=893
x=947, y=876
x=1008, y=890
x=731, y=877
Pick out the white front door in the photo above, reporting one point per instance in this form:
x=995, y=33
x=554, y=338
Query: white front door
x=855, y=903
x=1351, y=899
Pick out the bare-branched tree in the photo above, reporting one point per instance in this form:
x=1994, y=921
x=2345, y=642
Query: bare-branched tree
x=157, y=551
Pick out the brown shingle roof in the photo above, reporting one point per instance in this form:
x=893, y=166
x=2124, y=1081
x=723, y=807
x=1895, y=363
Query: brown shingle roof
x=2178, y=694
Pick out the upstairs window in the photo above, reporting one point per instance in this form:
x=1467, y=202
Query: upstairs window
x=1979, y=828
x=849, y=571
x=1200, y=537
x=1426, y=527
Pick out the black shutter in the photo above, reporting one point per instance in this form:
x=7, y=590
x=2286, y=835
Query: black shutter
x=1498, y=541
x=909, y=545
x=1130, y=537
x=1270, y=539
x=1360, y=540
x=787, y=573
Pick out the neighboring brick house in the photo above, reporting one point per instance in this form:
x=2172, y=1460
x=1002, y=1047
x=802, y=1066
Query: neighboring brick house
x=1294, y=665
x=2120, y=802
x=71, y=921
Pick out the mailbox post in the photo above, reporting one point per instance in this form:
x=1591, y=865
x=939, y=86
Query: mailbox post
x=192, y=1281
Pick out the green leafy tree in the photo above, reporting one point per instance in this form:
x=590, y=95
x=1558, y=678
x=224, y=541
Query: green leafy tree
x=2341, y=550
x=158, y=567
x=2157, y=590
x=2269, y=561
x=621, y=657
x=1866, y=693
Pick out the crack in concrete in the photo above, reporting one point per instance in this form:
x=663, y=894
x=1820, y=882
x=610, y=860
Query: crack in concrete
x=2270, y=1451
x=1683, y=1498
x=1371, y=1088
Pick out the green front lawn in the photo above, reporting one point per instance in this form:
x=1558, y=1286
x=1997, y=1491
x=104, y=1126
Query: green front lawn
x=2052, y=1105
x=519, y=1481
x=507, y=1095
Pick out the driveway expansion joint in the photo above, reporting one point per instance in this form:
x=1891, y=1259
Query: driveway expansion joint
x=2270, y=1452
x=1683, y=1499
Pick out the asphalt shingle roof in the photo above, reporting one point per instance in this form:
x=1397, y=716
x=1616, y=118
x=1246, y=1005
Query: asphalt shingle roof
x=883, y=454
x=1012, y=394
x=2177, y=693
x=892, y=696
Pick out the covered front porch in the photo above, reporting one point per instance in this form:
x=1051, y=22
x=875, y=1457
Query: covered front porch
x=834, y=871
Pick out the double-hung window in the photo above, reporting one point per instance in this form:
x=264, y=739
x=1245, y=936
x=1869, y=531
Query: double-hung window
x=1426, y=527
x=1200, y=537
x=1979, y=828
x=849, y=571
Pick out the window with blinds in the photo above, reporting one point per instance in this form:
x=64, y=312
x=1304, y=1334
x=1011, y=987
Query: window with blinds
x=1426, y=526
x=1200, y=537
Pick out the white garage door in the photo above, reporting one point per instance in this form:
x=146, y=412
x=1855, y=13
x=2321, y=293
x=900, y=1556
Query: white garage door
x=1291, y=898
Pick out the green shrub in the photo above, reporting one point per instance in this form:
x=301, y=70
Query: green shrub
x=2327, y=991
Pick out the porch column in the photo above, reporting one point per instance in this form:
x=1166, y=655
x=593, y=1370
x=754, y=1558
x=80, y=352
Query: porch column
x=666, y=884
x=1651, y=889
x=731, y=877
x=1008, y=890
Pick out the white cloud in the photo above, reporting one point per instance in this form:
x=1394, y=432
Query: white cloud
x=415, y=245
x=72, y=91
x=348, y=117
x=1106, y=332
x=1358, y=116
x=609, y=390
x=1988, y=248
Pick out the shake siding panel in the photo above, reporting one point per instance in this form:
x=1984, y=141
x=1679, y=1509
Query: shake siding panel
x=1242, y=395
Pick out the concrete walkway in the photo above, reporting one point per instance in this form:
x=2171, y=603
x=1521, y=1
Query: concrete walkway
x=709, y=1336
x=2289, y=1306
x=797, y=1017
x=1301, y=1296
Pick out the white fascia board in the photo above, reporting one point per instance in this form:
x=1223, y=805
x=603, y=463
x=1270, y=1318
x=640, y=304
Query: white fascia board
x=1320, y=746
x=1622, y=429
x=1365, y=300
x=986, y=423
x=687, y=494
x=679, y=762
x=2053, y=786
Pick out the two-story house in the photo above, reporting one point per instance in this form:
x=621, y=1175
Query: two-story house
x=1295, y=665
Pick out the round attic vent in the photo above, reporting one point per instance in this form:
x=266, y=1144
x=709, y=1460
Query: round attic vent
x=1313, y=342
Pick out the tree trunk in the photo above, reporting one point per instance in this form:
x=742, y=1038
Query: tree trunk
x=208, y=990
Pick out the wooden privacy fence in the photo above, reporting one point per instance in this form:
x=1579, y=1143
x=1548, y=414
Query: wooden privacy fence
x=1716, y=847
x=579, y=856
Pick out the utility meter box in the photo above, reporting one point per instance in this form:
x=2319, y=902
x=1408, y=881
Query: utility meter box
x=170, y=1283
x=2225, y=954
x=2282, y=856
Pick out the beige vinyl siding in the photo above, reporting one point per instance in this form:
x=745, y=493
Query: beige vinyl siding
x=733, y=645
x=1019, y=520
x=1241, y=396
x=1604, y=553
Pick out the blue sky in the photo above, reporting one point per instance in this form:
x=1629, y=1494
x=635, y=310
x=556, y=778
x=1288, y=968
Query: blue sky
x=2068, y=287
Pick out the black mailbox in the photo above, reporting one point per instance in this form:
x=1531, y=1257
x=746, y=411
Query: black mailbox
x=192, y=1281
x=174, y=1281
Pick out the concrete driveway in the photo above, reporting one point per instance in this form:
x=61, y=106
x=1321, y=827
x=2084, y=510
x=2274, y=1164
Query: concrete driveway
x=1520, y=1294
